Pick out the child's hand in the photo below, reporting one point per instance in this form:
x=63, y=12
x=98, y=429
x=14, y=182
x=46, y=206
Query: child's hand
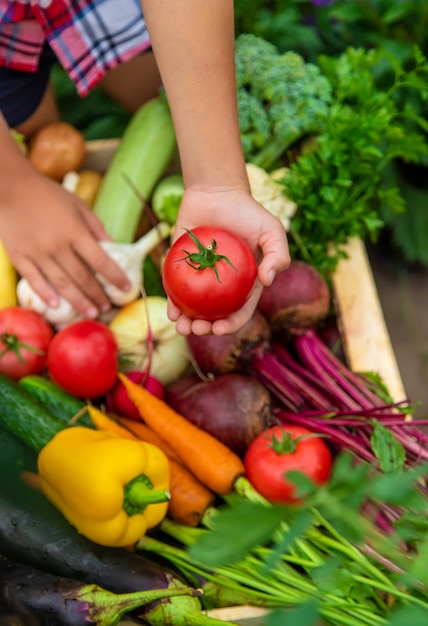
x=236, y=210
x=52, y=240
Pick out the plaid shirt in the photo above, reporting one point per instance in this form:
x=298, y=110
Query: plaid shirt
x=88, y=37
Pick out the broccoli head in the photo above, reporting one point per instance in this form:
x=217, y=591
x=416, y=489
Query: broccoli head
x=281, y=98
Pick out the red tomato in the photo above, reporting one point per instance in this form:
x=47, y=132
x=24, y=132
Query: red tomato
x=282, y=449
x=24, y=340
x=209, y=273
x=83, y=359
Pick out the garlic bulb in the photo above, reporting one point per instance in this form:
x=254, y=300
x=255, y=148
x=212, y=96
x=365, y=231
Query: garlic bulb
x=130, y=257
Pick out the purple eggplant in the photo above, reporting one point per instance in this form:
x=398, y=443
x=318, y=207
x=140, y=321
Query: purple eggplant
x=57, y=601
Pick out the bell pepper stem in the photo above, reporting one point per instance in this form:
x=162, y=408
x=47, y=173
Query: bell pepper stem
x=139, y=493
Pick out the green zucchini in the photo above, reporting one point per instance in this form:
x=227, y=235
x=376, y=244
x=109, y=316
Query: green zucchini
x=25, y=417
x=57, y=401
x=144, y=152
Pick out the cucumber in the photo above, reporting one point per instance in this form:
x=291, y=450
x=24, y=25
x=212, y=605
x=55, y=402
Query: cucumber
x=144, y=152
x=15, y=456
x=57, y=401
x=25, y=417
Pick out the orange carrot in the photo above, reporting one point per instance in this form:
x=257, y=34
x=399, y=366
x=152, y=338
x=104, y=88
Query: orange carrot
x=189, y=497
x=213, y=463
x=31, y=479
x=142, y=431
x=101, y=421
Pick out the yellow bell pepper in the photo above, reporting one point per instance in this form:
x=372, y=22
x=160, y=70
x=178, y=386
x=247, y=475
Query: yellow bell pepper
x=8, y=280
x=111, y=489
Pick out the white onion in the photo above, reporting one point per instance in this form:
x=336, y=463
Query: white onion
x=170, y=357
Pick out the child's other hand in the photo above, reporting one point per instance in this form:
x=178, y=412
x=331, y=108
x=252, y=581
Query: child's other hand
x=52, y=239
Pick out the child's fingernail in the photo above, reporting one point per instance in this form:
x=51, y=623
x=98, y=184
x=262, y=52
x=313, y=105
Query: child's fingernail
x=53, y=302
x=271, y=276
x=91, y=312
x=105, y=307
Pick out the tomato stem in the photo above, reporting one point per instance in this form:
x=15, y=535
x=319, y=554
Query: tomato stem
x=286, y=444
x=12, y=344
x=205, y=257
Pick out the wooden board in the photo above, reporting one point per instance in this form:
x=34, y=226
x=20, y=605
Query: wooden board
x=364, y=332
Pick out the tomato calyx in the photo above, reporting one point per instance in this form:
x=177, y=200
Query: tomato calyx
x=286, y=443
x=13, y=344
x=205, y=257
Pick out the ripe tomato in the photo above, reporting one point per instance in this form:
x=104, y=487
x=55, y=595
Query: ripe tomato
x=209, y=273
x=83, y=359
x=24, y=340
x=281, y=449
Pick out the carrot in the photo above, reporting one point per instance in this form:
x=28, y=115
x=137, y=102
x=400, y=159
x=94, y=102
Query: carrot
x=101, y=421
x=142, y=431
x=189, y=498
x=213, y=463
x=31, y=479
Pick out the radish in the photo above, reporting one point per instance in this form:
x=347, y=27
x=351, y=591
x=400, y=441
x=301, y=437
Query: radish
x=117, y=399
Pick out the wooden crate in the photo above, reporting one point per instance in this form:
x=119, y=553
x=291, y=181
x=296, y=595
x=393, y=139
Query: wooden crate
x=364, y=333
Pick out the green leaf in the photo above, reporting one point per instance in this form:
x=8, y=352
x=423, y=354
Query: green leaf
x=399, y=488
x=409, y=616
x=301, y=524
x=389, y=452
x=305, y=615
x=232, y=538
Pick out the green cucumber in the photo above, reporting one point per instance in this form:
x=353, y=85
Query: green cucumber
x=15, y=456
x=25, y=417
x=145, y=150
x=57, y=401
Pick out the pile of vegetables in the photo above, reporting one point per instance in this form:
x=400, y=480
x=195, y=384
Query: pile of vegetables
x=266, y=424
x=133, y=457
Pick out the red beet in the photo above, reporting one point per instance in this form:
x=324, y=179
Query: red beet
x=233, y=408
x=222, y=354
x=298, y=299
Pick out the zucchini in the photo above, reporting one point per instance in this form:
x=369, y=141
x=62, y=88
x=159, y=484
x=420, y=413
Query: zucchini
x=34, y=532
x=57, y=401
x=25, y=417
x=144, y=152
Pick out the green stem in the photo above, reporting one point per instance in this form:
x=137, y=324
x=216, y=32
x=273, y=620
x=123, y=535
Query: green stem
x=139, y=493
x=180, y=559
x=246, y=489
x=106, y=608
x=342, y=545
x=394, y=592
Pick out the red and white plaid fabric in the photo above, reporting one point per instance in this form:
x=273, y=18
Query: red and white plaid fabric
x=88, y=37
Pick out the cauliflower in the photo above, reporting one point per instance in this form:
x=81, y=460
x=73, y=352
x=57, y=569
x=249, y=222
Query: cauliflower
x=269, y=192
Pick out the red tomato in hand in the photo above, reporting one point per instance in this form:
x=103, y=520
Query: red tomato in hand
x=209, y=273
x=24, y=340
x=83, y=359
x=282, y=449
